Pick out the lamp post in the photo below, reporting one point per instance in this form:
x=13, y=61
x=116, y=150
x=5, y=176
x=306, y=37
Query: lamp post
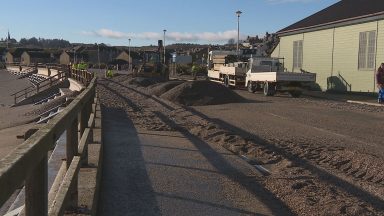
x=98, y=55
x=164, y=44
x=238, y=13
x=74, y=56
x=129, y=54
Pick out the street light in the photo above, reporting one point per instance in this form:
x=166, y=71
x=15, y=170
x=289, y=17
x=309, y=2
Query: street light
x=129, y=54
x=164, y=44
x=238, y=13
x=98, y=55
x=74, y=56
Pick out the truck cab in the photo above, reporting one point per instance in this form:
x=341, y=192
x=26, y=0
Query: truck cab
x=269, y=75
x=264, y=64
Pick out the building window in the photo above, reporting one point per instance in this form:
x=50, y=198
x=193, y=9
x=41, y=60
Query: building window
x=298, y=54
x=367, y=49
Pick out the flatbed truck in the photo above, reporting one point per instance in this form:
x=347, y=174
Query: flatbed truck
x=264, y=74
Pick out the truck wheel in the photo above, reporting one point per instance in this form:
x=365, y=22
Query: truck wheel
x=226, y=81
x=295, y=94
x=269, y=89
x=250, y=87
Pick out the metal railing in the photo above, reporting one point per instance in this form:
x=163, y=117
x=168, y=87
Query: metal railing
x=37, y=87
x=63, y=73
x=28, y=162
x=347, y=85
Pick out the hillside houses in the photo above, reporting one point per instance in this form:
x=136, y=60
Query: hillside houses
x=14, y=55
x=106, y=55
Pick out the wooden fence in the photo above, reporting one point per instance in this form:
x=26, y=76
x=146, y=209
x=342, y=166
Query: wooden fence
x=28, y=163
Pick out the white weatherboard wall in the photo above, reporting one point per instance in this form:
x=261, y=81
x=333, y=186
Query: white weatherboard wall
x=317, y=54
x=341, y=44
x=346, y=56
x=286, y=50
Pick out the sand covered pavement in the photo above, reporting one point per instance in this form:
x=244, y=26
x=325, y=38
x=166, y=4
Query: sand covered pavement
x=10, y=84
x=322, y=157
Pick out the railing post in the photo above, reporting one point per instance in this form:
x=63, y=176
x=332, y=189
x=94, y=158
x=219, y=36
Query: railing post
x=72, y=150
x=69, y=71
x=36, y=190
x=82, y=120
x=85, y=77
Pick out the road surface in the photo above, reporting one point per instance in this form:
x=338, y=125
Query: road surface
x=322, y=157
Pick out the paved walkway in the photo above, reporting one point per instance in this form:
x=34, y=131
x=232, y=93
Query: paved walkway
x=10, y=84
x=175, y=173
x=361, y=97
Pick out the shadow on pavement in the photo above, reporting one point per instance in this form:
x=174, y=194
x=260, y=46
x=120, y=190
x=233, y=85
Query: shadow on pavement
x=223, y=166
x=125, y=185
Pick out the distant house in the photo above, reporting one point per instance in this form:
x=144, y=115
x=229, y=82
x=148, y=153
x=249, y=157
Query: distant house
x=181, y=59
x=67, y=57
x=9, y=58
x=3, y=52
x=343, y=44
x=124, y=56
x=34, y=57
x=14, y=55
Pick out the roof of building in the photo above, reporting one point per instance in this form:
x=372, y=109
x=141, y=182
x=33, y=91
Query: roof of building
x=344, y=10
x=18, y=51
x=78, y=55
x=38, y=54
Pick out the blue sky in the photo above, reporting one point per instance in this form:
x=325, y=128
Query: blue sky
x=113, y=22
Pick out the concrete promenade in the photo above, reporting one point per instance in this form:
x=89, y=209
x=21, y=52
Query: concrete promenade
x=173, y=173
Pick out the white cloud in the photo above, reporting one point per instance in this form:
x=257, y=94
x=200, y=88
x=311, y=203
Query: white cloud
x=170, y=36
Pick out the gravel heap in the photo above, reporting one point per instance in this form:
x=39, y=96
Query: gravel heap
x=144, y=81
x=199, y=93
x=160, y=88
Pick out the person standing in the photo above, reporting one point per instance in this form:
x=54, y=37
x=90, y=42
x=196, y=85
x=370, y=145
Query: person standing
x=380, y=82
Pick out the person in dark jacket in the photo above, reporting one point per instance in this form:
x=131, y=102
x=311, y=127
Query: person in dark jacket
x=380, y=82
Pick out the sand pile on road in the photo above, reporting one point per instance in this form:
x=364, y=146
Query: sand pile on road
x=198, y=93
x=145, y=81
x=160, y=88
